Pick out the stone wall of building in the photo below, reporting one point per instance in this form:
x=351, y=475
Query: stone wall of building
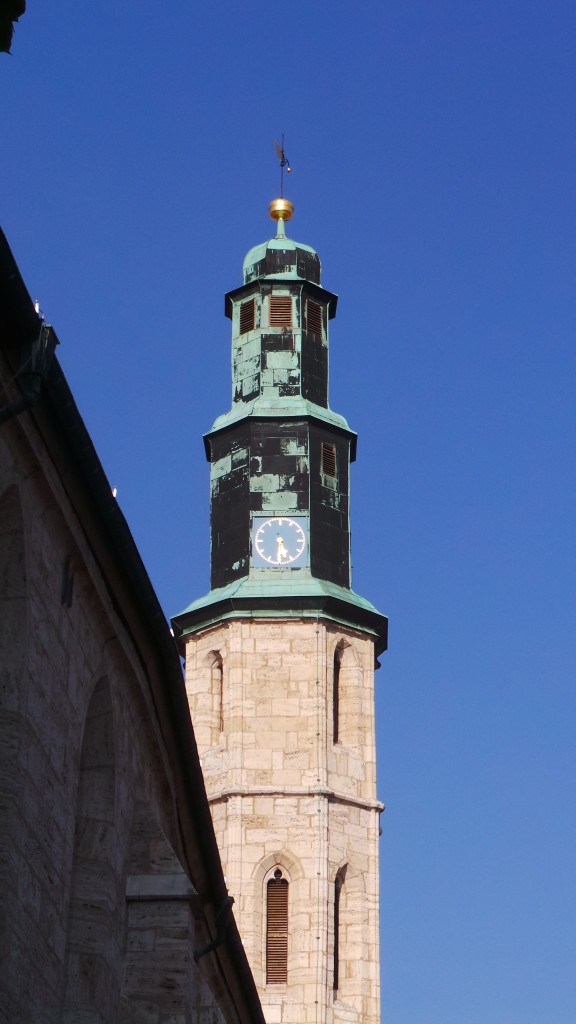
x=107, y=884
x=80, y=755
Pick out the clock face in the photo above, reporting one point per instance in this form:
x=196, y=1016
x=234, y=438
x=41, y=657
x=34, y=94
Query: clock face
x=279, y=541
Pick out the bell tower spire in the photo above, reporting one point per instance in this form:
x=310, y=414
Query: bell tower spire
x=280, y=655
x=280, y=452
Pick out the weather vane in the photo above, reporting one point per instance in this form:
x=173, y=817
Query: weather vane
x=284, y=163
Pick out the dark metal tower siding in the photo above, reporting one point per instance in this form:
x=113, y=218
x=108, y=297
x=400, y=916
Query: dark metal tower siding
x=329, y=508
x=301, y=262
x=280, y=451
x=275, y=468
x=283, y=365
x=279, y=357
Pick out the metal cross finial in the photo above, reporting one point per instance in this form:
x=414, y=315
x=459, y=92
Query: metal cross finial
x=284, y=163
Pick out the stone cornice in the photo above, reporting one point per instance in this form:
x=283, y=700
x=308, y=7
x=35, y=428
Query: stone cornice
x=330, y=794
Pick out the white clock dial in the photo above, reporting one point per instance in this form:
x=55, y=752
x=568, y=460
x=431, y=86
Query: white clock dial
x=279, y=541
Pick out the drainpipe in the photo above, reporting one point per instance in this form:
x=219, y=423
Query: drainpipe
x=35, y=363
x=221, y=920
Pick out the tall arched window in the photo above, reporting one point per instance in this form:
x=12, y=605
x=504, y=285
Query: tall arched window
x=347, y=685
x=338, y=884
x=217, y=691
x=95, y=928
x=277, y=929
x=336, y=693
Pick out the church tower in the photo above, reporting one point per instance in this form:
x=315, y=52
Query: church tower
x=280, y=657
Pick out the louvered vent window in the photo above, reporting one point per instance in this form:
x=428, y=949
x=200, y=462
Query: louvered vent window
x=280, y=310
x=277, y=930
x=313, y=317
x=247, y=316
x=328, y=459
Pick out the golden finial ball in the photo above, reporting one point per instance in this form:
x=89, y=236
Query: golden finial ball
x=281, y=209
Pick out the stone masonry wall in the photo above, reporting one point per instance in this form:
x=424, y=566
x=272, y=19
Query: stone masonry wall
x=285, y=795
x=80, y=752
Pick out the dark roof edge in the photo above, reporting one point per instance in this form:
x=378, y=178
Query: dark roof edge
x=298, y=417
x=320, y=293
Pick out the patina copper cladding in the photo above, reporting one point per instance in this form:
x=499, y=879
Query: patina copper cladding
x=266, y=453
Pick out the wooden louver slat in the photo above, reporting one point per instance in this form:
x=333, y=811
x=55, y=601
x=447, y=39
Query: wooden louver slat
x=313, y=317
x=247, y=316
x=280, y=310
x=277, y=931
x=328, y=459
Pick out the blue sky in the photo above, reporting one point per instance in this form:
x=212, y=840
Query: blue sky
x=434, y=156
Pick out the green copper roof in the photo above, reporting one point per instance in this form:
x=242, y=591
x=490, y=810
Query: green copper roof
x=283, y=583
x=290, y=408
x=282, y=258
x=258, y=253
x=284, y=594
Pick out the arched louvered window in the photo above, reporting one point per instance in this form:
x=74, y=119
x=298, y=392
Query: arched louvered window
x=277, y=929
x=339, y=882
